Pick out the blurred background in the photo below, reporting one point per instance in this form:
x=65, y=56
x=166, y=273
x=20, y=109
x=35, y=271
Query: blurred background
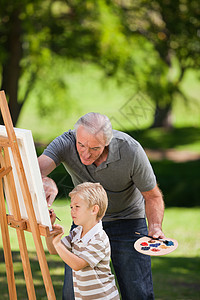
x=135, y=61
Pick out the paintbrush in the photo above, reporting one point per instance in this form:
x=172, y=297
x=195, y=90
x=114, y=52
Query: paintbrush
x=56, y=216
x=162, y=240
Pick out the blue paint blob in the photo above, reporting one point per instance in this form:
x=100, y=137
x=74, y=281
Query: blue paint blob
x=169, y=243
x=145, y=248
x=155, y=245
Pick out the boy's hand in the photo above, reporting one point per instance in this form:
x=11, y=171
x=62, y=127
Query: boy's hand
x=57, y=236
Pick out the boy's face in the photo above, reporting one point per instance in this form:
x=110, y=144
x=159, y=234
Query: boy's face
x=80, y=211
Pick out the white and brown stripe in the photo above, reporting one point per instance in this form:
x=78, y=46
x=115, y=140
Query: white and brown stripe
x=96, y=280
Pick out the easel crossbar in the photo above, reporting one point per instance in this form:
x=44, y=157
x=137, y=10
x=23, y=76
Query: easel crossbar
x=24, y=224
x=4, y=171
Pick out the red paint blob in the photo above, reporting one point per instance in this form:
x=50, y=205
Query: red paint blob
x=155, y=249
x=144, y=244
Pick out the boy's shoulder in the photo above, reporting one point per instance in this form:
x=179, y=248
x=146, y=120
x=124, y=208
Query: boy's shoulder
x=95, y=236
x=100, y=238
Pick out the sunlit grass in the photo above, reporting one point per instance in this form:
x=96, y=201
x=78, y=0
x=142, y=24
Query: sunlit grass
x=175, y=276
x=179, y=223
x=183, y=224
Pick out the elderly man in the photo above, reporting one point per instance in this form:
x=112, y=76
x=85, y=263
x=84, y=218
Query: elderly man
x=97, y=153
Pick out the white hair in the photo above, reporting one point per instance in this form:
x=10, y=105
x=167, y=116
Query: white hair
x=96, y=123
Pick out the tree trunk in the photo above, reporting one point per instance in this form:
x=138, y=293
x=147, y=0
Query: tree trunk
x=163, y=116
x=11, y=66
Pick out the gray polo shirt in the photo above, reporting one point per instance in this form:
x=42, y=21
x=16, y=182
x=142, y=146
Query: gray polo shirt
x=126, y=172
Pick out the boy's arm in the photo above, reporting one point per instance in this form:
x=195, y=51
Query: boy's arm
x=55, y=246
x=50, y=246
x=49, y=239
x=72, y=260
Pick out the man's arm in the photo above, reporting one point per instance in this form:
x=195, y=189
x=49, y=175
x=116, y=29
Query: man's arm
x=47, y=165
x=154, y=206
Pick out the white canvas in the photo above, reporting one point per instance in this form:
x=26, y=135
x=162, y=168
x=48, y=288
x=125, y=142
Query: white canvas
x=33, y=175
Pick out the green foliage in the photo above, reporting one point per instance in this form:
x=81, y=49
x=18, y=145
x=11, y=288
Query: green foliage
x=184, y=138
x=141, y=42
x=179, y=182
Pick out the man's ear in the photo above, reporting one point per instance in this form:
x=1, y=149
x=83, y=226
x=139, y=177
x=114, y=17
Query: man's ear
x=95, y=209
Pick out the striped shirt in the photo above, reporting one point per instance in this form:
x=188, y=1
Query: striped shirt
x=96, y=280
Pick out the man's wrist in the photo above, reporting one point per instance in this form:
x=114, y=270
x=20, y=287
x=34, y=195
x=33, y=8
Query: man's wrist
x=155, y=226
x=155, y=230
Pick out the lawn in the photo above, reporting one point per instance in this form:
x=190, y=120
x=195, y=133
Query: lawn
x=175, y=276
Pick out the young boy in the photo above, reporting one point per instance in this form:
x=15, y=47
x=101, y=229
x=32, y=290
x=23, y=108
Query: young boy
x=87, y=250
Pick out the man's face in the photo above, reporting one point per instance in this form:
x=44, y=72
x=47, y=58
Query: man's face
x=89, y=146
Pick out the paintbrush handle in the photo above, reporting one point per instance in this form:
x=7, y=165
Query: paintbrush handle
x=56, y=216
x=149, y=236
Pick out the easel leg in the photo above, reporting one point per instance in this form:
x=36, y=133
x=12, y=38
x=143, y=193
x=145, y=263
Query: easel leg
x=6, y=247
x=26, y=265
x=11, y=193
x=11, y=142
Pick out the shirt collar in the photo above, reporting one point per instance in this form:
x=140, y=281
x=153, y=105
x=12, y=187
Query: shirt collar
x=113, y=153
x=85, y=239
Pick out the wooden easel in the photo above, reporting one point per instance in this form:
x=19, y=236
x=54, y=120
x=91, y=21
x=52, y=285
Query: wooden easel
x=7, y=185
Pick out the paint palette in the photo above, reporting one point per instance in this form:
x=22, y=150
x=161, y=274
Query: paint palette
x=153, y=247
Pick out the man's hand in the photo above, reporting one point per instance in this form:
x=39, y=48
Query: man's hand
x=156, y=232
x=50, y=189
x=52, y=216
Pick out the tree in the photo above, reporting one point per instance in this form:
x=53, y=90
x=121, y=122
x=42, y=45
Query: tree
x=17, y=23
x=172, y=28
x=153, y=43
x=31, y=34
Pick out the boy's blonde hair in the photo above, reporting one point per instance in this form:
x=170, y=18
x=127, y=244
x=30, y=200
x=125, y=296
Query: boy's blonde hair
x=94, y=194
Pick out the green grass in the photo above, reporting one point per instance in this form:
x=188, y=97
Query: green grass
x=175, y=276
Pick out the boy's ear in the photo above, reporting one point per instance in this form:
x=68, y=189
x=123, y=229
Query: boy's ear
x=95, y=209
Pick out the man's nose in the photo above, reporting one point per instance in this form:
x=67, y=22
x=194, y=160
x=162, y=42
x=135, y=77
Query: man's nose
x=86, y=153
